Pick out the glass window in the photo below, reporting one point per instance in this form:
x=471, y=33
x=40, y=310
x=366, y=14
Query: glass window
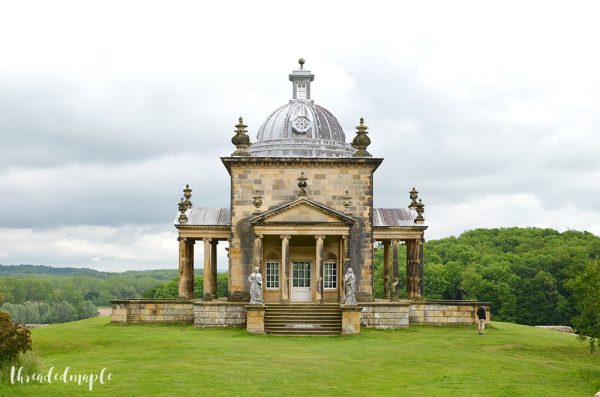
x=272, y=274
x=330, y=275
x=301, y=274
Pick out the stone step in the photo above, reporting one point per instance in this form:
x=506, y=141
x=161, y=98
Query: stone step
x=305, y=332
x=303, y=319
x=299, y=312
x=333, y=306
x=306, y=324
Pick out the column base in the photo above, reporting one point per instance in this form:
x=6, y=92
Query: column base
x=207, y=297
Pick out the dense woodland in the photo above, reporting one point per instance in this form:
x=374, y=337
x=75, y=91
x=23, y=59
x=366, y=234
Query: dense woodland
x=529, y=275
x=526, y=273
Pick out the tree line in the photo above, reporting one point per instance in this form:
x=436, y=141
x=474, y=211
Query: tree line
x=527, y=274
x=44, y=295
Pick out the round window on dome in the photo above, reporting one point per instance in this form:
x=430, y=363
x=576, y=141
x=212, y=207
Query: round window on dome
x=301, y=124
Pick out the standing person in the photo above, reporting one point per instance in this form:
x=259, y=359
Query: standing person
x=481, y=316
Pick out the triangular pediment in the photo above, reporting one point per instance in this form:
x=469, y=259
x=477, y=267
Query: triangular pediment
x=302, y=211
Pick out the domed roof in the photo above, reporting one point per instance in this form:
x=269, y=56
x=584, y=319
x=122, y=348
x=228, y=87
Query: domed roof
x=301, y=128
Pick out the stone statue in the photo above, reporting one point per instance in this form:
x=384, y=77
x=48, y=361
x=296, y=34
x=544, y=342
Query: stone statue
x=255, y=280
x=350, y=287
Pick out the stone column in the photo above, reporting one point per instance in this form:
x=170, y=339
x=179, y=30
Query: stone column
x=345, y=250
x=183, y=271
x=319, y=268
x=345, y=266
x=285, y=270
x=340, y=270
x=386, y=269
x=213, y=266
x=208, y=291
x=421, y=265
x=413, y=271
x=190, y=267
x=395, y=284
x=258, y=257
x=258, y=252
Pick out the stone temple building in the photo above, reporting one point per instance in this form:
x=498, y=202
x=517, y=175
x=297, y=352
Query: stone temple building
x=301, y=210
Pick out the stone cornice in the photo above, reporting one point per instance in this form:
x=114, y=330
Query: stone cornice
x=400, y=228
x=307, y=162
x=202, y=227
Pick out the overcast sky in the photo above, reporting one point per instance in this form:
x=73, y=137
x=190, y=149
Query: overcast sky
x=108, y=108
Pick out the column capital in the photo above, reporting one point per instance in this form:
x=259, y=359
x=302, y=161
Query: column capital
x=184, y=239
x=285, y=237
x=320, y=237
x=258, y=235
x=395, y=241
x=206, y=239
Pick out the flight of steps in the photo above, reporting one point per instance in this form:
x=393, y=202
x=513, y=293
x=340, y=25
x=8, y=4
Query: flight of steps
x=303, y=319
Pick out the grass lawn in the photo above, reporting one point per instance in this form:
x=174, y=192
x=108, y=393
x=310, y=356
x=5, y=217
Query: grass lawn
x=179, y=360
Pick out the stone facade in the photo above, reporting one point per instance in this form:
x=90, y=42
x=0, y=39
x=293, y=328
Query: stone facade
x=152, y=311
x=385, y=315
x=275, y=180
x=446, y=312
x=219, y=314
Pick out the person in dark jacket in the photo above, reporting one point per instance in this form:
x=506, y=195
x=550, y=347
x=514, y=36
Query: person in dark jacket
x=481, y=316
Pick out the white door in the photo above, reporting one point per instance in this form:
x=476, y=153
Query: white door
x=301, y=281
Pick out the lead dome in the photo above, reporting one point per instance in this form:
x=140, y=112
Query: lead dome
x=300, y=128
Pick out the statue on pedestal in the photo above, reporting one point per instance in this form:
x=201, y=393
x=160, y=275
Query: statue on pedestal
x=350, y=287
x=255, y=280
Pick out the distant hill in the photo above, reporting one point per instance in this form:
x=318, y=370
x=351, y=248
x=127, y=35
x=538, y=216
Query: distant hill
x=15, y=270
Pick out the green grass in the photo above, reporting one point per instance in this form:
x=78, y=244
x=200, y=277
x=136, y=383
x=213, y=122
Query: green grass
x=178, y=360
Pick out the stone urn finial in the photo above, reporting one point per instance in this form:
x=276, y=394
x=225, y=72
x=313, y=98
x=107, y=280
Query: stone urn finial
x=361, y=140
x=414, y=195
x=420, y=211
x=183, y=219
x=187, y=195
x=241, y=140
x=302, y=184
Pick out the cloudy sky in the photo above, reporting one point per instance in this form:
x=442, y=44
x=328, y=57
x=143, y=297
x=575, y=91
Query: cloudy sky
x=107, y=109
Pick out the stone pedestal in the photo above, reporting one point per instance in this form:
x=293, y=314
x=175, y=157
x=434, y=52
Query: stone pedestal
x=255, y=319
x=350, y=319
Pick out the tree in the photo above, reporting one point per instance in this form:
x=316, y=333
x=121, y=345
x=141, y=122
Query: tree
x=65, y=312
x=14, y=339
x=585, y=290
